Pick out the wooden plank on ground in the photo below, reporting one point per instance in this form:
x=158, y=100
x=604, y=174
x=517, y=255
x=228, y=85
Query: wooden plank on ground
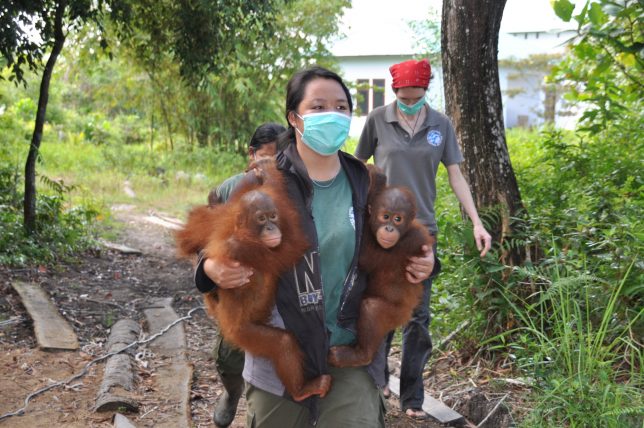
x=174, y=220
x=161, y=222
x=124, y=249
x=175, y=373
x=53, y=332
x=432, y=406
x=120, y=421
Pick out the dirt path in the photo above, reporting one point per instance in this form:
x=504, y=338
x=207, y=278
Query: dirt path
x=103, y=288
x=92, y=295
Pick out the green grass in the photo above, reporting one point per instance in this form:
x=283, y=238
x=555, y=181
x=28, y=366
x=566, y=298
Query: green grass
x=78, y=182
x=587, y=365
x=168, y=181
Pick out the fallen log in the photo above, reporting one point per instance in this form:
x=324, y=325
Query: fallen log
x=116, y=390
x=161, y=222
x=168, y=219
x=123, y=249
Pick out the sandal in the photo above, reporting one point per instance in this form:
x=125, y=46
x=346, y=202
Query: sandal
x=416, y=414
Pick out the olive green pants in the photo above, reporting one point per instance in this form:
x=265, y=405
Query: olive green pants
x=354, y=401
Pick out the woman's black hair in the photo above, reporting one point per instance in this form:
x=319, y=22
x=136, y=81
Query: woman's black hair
x=264, y=134
x=295, y=93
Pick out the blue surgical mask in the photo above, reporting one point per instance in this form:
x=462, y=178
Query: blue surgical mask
x=325, y=133
x=412, y=109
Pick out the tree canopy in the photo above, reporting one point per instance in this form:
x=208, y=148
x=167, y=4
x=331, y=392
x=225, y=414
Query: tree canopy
x=235, y=80
x=605, y=71
x=28, y=28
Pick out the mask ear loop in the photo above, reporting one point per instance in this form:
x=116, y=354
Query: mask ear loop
x=292, y=121
x=295, y=125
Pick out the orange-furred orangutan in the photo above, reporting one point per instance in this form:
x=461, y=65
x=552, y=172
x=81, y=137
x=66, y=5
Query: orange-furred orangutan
x=391, y=236
x=258, y=228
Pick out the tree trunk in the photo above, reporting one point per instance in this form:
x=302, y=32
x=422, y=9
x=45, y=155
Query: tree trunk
x=550, y=103
x=470, y=35
x=202, y=132
x=201, y=111
x=30, y=167
x=152, y=128
x=164, y=110
x=168, y=124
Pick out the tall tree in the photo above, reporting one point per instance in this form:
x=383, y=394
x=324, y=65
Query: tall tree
x=28, y=31
x=238, y=79
x=251, y=90
x=204, y=37
x=469, y=41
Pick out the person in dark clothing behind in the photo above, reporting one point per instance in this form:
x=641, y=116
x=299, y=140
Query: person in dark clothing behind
x=229, y=360
x=263, y=144
x=319, y=300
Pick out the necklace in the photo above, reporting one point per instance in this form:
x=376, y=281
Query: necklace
x=327, y=183
x=412, y=129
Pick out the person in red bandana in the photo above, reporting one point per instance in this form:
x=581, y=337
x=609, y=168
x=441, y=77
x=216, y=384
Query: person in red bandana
x=408, y=140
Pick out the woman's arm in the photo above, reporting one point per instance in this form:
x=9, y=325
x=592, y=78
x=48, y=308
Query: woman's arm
x=210, y=274
x=229, y=274
x=462, y=191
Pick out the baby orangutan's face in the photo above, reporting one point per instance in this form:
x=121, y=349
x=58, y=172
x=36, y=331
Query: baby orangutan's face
x=390, y=216
x=260, y=216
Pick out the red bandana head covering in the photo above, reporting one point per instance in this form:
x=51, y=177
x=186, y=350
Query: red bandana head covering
x=411, y=73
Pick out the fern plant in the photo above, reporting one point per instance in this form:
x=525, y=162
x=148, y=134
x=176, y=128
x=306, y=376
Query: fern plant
x=588, y=366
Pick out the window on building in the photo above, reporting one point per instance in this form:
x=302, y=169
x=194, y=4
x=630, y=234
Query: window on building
x=370, y=94
x=362, y=102
x=378, y=94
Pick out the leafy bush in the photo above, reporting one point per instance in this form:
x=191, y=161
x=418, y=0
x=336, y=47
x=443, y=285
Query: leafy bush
x=568, y=316
x=585, y=207
x=576, y=350
x=605, y=69
x=573, y=314
x=61, y=234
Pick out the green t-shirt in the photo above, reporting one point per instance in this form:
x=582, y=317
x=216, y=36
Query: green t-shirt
x=224, y=190
x=335, y=226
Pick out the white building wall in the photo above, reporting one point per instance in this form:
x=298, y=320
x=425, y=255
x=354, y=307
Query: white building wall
x=523, y=97
x=355, y=68
x=522, y=90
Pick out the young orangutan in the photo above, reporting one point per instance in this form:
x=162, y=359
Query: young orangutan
x=258, y=228
x=390, y=238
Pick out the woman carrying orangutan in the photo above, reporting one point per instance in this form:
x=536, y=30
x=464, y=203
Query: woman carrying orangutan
x=319, y=300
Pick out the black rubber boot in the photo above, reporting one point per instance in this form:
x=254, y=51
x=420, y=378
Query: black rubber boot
x=226, y=405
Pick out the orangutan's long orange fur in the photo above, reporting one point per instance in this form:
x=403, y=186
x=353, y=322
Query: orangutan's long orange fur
x=242, y=313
